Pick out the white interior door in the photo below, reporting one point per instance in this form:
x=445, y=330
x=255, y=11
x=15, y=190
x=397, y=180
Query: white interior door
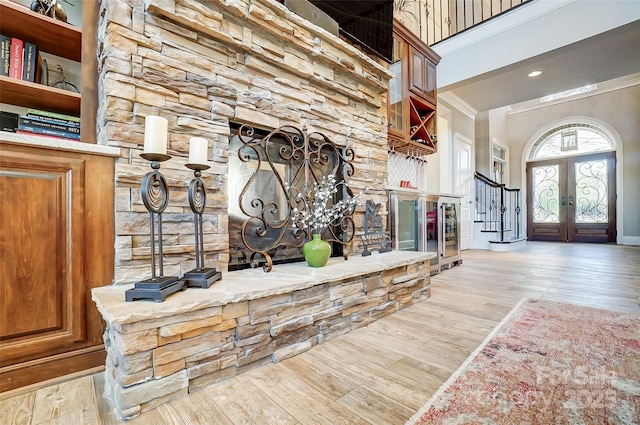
x=464, y=186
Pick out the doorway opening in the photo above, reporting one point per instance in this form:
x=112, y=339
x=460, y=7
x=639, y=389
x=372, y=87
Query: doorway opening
x=571, y=186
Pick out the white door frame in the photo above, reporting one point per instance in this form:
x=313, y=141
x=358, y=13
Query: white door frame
x=464, y=201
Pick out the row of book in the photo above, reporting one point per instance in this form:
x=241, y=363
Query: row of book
x=42, y=123
x=22, y=60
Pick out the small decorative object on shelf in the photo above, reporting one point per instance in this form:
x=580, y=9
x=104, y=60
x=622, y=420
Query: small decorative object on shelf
x=50, y=8
x=155, y=196
x=374, y=233
x=315, y=215
x=200, y=277
x=316, y=251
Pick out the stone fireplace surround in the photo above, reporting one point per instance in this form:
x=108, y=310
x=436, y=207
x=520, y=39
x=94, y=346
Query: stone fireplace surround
x=203, y=64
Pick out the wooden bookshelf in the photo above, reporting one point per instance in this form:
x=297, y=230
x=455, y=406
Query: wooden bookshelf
x=34, y=95
x=50, y=35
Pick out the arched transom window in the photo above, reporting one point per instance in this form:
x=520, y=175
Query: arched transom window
x=570, y=139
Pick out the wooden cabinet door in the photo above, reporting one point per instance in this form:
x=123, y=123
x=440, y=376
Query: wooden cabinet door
x=430, y=81
x=42, y=223
x=417, y=72
x=422, y=76
x=56, y=243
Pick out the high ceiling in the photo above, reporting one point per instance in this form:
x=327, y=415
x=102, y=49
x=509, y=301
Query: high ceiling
x=606, y=56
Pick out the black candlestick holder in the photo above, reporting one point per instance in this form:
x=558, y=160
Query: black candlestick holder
x=200, y=277
x=155, y=196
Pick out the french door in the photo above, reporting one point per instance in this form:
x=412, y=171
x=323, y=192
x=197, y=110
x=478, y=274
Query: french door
x=572, y=199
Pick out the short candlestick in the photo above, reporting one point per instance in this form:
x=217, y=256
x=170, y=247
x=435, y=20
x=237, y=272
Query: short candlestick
x=201, y=276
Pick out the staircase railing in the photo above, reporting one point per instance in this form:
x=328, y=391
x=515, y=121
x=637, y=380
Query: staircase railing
x=498, y=208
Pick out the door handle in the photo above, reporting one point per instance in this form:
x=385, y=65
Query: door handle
x=564, y=200
x=570, y=199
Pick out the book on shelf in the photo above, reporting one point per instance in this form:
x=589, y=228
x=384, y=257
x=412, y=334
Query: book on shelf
x=5, y=54
x=54, y=136
x=42, y=113
x=27, y=121
x=59, y=121
x=8, y=121
x=17, y=47
x=29, y=129
x=29, y=62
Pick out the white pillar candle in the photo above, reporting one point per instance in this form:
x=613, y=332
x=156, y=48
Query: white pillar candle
x=198, y=150
x=155, y=134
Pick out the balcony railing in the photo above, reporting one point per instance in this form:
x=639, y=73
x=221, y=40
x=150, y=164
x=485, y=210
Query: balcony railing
x=438, y=20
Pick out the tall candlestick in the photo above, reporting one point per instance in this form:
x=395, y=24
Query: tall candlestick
x=198, y=150
x=155, y=134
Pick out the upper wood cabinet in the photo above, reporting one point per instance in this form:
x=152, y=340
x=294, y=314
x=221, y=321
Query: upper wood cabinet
x=60, y=39
x=423, y=75
x=412, y=94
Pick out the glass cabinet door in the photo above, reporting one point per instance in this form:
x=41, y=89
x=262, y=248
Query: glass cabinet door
x=408, y=225
x=396, y=115
x=451, y=246
x=432, y=230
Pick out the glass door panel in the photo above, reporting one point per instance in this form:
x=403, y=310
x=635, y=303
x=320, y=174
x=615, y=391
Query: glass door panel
x=396, y=117
x=432, y=230
x=591, y=192
x=592, y=198
x=408, y=225
x=450, y=229
x=546, y=194
x=572, y=199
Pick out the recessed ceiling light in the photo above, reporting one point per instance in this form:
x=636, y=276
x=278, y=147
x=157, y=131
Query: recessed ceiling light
x=534, y=73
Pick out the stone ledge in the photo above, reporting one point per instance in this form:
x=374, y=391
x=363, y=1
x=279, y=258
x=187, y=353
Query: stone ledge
x=251, y=318
x=243, y=285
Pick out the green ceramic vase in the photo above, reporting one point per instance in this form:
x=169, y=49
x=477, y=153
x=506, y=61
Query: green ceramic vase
x=316, y=251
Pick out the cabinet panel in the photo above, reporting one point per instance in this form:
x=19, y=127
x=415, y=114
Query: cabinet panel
x=423, y=76
x=30, y=305
x=430, y=81
x=56, y=244
x=417, y=72
x=42, y=234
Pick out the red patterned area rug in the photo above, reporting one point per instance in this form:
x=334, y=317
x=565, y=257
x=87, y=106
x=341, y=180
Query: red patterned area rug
x=546, y=363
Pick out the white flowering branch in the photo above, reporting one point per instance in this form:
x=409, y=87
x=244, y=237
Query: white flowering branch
x=316, y=215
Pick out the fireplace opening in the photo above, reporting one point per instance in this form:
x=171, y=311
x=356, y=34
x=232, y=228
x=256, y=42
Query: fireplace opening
x=267, y=169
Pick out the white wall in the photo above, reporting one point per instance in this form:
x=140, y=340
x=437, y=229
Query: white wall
x=618, y=109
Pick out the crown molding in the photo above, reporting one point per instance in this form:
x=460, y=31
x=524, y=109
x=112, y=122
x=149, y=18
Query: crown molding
x=457, y=102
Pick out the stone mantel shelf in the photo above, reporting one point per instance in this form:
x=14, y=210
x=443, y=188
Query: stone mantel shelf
x=245, y=285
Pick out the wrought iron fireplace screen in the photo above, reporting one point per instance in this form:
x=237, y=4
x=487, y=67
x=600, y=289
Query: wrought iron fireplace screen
x=267, y=173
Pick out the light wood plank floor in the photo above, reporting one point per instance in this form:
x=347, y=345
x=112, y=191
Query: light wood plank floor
x=383, y=373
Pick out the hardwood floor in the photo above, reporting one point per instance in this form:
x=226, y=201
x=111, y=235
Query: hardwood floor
x=383, y=373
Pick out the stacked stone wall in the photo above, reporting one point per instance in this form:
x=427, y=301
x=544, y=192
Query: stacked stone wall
x=150, y=362
x=203, y=64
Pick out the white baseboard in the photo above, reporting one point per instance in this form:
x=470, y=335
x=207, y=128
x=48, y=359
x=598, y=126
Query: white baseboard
x=631, y=240
x=506, y=247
